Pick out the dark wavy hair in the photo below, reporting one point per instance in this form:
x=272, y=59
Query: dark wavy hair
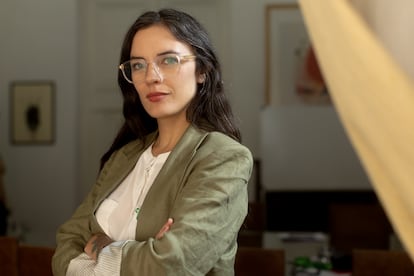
x=208, y=110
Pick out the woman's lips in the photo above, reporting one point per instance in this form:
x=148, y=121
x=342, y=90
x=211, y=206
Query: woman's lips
x=156, y=96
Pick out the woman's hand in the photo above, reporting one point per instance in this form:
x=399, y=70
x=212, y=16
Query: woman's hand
x=95, y=245
x=100, y=240
x=164, y=229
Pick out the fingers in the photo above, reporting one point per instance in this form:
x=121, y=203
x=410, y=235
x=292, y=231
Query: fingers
x=95, y=245
x=164, y=229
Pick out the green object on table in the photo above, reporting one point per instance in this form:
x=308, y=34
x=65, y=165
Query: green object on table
x=302, y=262
x=306, y=262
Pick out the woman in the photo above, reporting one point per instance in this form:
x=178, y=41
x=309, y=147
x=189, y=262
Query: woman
x=172, y=191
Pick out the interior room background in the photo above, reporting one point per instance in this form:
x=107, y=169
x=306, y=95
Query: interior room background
x=76, y=44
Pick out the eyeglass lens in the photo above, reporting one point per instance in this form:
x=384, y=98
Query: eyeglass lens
x=135, y=70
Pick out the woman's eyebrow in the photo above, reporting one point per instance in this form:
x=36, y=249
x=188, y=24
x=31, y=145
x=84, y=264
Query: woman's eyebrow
x=159, y=54
x=168, y=52
x=135, y=57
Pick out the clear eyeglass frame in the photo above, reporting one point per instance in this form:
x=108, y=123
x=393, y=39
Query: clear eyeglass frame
x=163, y=65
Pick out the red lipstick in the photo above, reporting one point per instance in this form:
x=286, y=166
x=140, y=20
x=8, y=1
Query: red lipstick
x=156, y=96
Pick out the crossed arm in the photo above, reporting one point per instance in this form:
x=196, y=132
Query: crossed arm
x=100, y=240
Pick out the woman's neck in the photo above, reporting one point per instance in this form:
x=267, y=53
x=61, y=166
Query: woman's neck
x=168, y=136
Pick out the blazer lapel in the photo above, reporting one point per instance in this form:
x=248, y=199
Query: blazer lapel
x=160, y=198
x=116, y=172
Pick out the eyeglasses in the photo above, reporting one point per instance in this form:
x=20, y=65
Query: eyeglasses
x=135, y=70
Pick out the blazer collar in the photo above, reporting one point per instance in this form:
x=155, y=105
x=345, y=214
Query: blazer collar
x=182, y=152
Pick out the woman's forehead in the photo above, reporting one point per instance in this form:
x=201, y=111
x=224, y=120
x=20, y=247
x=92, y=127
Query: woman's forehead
x=157, y=39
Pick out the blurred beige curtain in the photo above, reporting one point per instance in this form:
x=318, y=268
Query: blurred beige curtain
x=368, y=75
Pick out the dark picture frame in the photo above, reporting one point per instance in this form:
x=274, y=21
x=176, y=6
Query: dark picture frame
x=32, y=112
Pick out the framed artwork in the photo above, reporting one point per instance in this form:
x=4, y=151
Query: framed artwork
x=292, y=72
x=32, y=112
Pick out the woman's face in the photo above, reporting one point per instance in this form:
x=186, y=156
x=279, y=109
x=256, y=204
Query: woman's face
x=164, y=93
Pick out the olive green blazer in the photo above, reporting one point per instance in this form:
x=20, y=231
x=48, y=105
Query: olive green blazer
x=202, y=186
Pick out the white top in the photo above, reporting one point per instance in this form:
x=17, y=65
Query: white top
x=117, y=215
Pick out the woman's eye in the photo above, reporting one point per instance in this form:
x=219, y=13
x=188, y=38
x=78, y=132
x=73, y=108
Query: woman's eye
x=170, y=60
x=137, y=65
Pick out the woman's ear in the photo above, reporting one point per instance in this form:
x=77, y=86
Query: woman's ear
x=201, y=78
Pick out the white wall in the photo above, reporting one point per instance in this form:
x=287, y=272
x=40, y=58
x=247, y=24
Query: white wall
x=38, y=41
x=247, y=74
x=247, y=80
x=306, y=148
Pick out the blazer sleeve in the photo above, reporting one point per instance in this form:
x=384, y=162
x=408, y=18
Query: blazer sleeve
x=208, y=213
x=72, y=236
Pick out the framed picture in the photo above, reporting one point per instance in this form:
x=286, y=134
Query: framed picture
x=32, y=112
x=292, y=73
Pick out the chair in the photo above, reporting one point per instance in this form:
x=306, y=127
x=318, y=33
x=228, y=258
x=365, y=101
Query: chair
x=24, y=260
x=35, y=260
x=252, y=261
x=8, y=256
x=367, y=262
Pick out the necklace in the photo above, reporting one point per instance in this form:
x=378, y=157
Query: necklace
x=147, y=171
x=150, y=165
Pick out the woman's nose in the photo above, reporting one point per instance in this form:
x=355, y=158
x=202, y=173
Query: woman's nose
x=153, y=73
